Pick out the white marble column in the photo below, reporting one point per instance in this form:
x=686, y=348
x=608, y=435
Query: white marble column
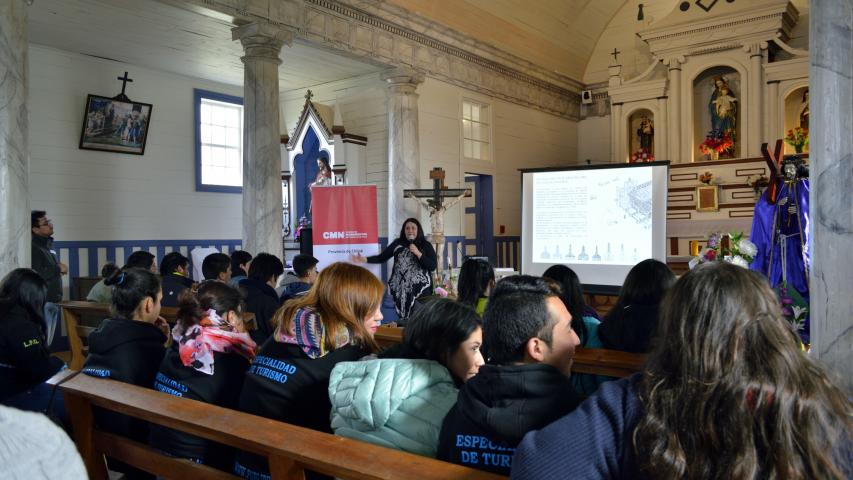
x=619, y=137
x=661, y=131
x=774, y=119
x=14, y=145
x=262, y=44
x=831, y=175
x=674, y=68
x=403, y=145
x=755, y=111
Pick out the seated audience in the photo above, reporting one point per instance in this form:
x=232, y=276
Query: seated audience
x=240, y=262
x=207, y=363
x=586, y=327
x=525, y=384
x=399, y=400
x=305, y=268
x=727, y=393
x=216, y=266
x=100, y=292
x=25, y=362
x=141, y=259
x=32, y=447
x=476, y=280
x=175, y=271
x=259, y=292
x=289, y=379
x=129, y=347
x=632, y=323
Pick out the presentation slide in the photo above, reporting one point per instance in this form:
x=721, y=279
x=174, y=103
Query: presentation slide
x=599, y=220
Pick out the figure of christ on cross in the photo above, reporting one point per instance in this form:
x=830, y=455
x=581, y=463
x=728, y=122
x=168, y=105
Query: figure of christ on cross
x=433, y=201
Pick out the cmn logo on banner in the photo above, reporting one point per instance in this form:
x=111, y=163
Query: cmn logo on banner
x=344, y=222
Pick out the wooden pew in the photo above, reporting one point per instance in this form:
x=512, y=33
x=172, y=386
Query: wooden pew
x=290, y=449
x=598, y=361
x=72, y=312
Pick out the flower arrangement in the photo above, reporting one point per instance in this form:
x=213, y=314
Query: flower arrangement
x=794, y=307
x=727, y=247
x=798, y=138
x=716, y=142
x=641, y=156
x=706, y=178
x=758, y=183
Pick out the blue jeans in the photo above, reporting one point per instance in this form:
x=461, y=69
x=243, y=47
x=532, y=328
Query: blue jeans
x=42, y=399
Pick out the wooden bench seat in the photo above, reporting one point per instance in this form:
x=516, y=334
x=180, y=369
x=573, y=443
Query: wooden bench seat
x=289, y=449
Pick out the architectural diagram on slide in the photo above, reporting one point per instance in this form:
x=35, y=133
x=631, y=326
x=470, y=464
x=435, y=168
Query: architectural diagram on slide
x=635, y=199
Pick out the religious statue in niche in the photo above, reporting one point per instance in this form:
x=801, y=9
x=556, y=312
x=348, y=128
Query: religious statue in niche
x=323, y=178
x=804, y=110
x=723, y=109
x=646, y=133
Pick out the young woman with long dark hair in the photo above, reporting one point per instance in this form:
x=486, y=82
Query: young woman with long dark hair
x=400, y=399
x=632, y=323
x=476, y=280
x=727, y=393
x=25, y=361
x=414, y=261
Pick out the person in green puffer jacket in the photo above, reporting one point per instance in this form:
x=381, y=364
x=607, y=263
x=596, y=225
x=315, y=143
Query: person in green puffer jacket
x=399, y=399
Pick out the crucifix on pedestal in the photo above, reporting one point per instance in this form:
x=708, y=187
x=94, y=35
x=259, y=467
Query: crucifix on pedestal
x=433, y=201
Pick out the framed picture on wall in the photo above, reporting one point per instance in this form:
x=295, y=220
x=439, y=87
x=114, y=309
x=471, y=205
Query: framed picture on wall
x=707, y=198
x=115, y=126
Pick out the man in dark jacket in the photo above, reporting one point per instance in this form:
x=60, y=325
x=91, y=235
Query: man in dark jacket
x=259, y=291
x=174, y=269
x=305, y=268
x=45, y=261
x=525, y=385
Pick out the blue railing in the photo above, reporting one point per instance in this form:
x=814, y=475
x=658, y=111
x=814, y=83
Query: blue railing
x=506, y=250
x=85, y=258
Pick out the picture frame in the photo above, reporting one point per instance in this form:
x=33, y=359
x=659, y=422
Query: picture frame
x=707, y=198
x=113, y=125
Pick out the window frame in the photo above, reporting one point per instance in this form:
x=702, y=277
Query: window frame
x=487, y=124
x=198, y=96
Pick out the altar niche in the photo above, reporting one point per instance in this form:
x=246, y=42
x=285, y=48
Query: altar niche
x=796, y=114
x=717, y=106
x=307, y=172
x=641, y=131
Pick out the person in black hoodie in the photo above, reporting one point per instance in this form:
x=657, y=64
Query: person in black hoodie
x=25, y=362
x=174, y=269
x=525, y=384
x=305, y=268
x=259, y=291
x=632, y=323
x=128, y=347
x=289, y=379
x=207, y=362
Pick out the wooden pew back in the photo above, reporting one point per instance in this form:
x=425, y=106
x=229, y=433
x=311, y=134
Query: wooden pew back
x=289, y=449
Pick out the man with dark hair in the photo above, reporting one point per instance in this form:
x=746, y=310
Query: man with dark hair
x=141, y=259
x=45, y=261
x=216, y=266
x=240, y=262
x=259, y=291
x=305, y=268
x=525, y=385
x=175, y=272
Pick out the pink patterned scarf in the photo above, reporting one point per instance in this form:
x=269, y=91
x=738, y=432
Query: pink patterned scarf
x=212, y=334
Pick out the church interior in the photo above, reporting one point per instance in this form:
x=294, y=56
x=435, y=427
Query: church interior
x=232, y=111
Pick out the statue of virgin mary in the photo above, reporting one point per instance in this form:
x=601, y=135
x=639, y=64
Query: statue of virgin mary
x=723, y=109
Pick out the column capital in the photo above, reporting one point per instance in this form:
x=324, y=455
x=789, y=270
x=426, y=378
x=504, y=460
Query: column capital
x=755, y=49
x=674, y=62
x=263, y=39
x=403, y=79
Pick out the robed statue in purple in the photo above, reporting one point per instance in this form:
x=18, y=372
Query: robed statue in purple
x=780, y=230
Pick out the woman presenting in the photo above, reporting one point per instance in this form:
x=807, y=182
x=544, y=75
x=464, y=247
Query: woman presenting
x=414, y=259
